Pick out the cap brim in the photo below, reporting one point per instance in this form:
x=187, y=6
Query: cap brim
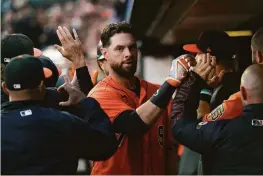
x=192, y=48
x=47, y=72
x=37, y=52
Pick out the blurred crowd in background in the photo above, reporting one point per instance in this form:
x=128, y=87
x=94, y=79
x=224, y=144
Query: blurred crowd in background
x=39, y=19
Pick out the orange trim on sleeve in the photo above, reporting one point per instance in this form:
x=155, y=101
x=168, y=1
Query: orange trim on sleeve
x=229, y=109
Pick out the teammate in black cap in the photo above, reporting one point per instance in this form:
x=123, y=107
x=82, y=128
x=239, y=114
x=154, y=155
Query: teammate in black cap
x=220, y=45
x=38, y=140
x=13, y=45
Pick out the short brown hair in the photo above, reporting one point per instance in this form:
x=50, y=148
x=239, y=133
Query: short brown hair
x=115, y=28
x=257, y=40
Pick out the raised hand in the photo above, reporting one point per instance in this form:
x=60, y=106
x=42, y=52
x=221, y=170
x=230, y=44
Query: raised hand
x=71, y=48
x=205, y=67
x=179, y=69
x=75, y=95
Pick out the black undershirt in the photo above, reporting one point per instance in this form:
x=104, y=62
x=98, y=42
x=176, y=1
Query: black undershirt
x=137, y=89
x=129, y=122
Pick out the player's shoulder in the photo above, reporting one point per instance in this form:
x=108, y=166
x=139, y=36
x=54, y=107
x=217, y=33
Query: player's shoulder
x=235, y=97
x=229, y=109
x=149, y=84
x=104, y=89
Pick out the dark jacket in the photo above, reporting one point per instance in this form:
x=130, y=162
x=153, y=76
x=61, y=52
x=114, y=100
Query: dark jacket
x=236, y=145
x=230, y=85
x=38, y=140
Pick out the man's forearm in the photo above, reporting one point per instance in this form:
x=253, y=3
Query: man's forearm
x=186, y=100
x=151, y=110
x=84, y=79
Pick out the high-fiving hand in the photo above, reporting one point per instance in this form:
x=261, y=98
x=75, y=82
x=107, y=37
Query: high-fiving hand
x=205, y=67
x=75, y=95
x=180, y=66
x=71, y=48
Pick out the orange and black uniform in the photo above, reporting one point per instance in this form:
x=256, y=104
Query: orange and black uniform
x=139, y=152
x=229, y=109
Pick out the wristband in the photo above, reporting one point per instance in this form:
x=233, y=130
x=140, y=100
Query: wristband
x=206, y=94
x=163, y=95
x=173, y=82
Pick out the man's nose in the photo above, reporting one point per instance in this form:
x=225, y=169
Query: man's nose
x=127, y=52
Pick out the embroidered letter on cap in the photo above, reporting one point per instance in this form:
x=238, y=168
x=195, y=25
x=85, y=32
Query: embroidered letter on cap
x=17, y=86
x=26, y=113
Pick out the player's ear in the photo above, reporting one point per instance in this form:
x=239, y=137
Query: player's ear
x=243, y=94
x=5, y=88
x=104, y=51
x=259, y=57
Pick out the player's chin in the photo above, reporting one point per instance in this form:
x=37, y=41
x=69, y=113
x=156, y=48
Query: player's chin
x=130, y=70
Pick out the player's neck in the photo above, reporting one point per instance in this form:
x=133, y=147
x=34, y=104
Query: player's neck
x=129, y=83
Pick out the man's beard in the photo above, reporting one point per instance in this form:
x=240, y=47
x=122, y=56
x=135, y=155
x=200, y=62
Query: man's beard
x=124, y=73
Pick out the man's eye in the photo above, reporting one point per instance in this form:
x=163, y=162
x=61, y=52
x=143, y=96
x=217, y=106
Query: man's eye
x=119, y=49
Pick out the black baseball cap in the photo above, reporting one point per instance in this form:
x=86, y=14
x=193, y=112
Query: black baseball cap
x=99, y=54
x=218, y=43
x=25, y=72
x=48, y=63
x=13, y=45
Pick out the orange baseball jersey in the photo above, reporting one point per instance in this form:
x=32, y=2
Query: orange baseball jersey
x=229, y=109
x=135, y=155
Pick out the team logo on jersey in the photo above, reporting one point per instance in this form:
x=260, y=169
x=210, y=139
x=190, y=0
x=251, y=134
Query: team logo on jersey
x=161, y=135
x=257, y=122
x=216, y=113
x=156, y=93
x=199, y=125
x=26, y=113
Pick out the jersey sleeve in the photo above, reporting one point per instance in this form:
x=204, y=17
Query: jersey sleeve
x=199, y=137
x=111, y=103
x=229, y=109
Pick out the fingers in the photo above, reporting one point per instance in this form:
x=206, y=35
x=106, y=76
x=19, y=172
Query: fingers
x=198, y=59
x=220, y=75
x=208, y=70
x=207, y=58
x=63, y=34
x=64, y=103
x=68, y=34
x=59, y=48
x=213, y=61
x=61, y=88
x=66, y=79
x=211, y=74
x=61, y=38
x=76, y=36
x=65, y=87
